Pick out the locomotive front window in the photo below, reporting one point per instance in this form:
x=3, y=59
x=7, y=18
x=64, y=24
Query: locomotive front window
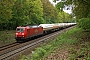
x=20, y=30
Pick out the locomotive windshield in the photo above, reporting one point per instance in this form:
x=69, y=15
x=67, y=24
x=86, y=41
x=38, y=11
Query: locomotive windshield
x=20, y=29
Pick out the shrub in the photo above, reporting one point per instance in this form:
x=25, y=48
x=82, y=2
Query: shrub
x=84, y=23
x=40, y=52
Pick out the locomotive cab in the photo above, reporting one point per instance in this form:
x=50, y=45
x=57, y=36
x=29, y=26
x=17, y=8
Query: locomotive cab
x=20, y=33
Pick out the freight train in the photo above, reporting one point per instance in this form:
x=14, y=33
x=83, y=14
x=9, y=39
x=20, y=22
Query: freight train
x=27, y=32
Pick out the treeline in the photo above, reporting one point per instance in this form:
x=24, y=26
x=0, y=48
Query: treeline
x=15, y=13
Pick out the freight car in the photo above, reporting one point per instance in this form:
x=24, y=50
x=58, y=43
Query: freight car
x=24, y=33
x=47, y=28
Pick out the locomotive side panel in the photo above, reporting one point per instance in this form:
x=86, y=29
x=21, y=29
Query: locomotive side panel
x=34, y=32
x=28, y=33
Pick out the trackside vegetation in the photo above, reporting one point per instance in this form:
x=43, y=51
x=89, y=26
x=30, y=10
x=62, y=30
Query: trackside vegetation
x=84, y=23
x=7, y=37
x=78, y=47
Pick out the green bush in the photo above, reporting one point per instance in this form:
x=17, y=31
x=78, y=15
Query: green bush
x=38, y=54
x=24, y=57
x=84, y=23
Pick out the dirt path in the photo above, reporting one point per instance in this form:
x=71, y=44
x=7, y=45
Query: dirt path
x=59, y=54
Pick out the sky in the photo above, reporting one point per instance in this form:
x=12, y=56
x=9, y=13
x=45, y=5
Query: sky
x=65, y=9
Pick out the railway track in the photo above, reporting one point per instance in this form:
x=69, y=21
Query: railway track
x=8, y=46
x=10, y=51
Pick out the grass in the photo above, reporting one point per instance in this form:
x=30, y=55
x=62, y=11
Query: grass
x=73, y=39
x=7, y=37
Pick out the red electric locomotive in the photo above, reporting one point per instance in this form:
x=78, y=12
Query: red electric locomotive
x=23, y=33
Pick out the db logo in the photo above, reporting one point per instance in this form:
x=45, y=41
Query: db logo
x=36, y=30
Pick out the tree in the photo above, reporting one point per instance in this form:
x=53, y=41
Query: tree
x=36, y=12
x=49, y=12
x=80, y=8
x=15, y=13
x=60, y=6
x=19, y=13
x=82, y=12
x=27, y=12
x=5, y=12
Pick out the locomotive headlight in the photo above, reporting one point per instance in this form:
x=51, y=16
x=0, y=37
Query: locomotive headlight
x=22, y=33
